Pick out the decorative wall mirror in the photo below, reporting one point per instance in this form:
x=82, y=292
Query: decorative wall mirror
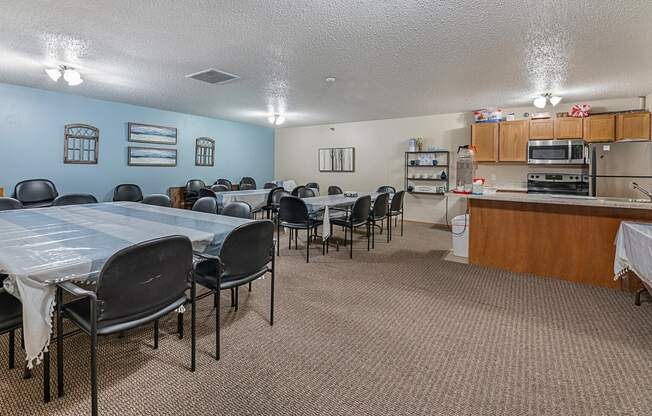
x=337, y=159
x=81, y=144
x=204, y=151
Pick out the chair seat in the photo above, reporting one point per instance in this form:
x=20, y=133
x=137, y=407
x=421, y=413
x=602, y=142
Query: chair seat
x=301, y=226
x=394, y=213
x=205, y=276
x=346, y=222
x=11, y=312
x=79, y=311
x=42, y=204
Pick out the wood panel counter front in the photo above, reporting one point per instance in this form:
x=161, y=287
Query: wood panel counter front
x=569, y=242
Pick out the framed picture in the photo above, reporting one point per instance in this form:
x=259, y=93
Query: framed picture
x=151, y=156
x=337, y=159
x=146, y=133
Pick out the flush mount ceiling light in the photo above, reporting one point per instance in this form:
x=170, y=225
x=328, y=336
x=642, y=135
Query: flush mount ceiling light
x=330, y=80
x=276, y=119
x=542, y=100
x=70, y=75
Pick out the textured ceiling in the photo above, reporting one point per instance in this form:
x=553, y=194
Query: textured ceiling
x=392, y=58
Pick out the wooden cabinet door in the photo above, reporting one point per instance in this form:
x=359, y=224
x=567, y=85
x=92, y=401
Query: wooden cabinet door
x=541, y=129
x=513, y=141
x=633, y=126
x=600, y=128
x=568, y=128
x=484, y=137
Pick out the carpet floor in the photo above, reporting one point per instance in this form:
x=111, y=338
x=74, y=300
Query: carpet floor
x=395, y=331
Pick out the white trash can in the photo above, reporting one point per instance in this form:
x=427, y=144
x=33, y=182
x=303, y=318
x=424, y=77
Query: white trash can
x=461, y=235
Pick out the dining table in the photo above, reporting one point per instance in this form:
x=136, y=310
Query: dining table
x=45, y=246
x=256, y=198
x=634, y=253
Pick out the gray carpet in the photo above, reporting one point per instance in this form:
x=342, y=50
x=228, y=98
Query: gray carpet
x=396, y=331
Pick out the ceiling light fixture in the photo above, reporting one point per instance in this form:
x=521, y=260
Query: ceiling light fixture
x=70, y=75
x=542, y=100
x=276, y=119
x=330, y=80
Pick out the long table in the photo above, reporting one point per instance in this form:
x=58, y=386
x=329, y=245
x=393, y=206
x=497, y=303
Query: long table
x=256, y=198
x=634, y=251
x=44, y=246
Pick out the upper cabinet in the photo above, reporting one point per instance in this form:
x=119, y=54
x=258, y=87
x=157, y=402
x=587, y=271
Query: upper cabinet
x=568, y=128
x=600, y=128
x=513, y=141
x=484, y=137
x=541, y=129
x=633, y=126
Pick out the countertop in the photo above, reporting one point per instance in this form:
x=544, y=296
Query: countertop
x=622, y=203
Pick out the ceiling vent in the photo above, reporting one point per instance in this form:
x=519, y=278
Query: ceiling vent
x=213, y=76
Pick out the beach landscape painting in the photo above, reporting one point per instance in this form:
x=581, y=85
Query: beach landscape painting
x=150, y=156
x=146, y=133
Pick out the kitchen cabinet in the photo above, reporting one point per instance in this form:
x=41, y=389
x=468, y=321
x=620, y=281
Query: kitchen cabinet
x=512, y=141
x=633, y=126
x=600, y=128
x=568, y=128
x=541, y=129
x=484, y=137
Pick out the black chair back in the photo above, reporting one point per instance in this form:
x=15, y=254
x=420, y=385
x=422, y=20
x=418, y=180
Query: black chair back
x=206, y=204
x=386, y=188
x=269, y=185
x=74, y=199
x=335, y=190
x=247, y=249
x=220, y=188
x=9, y=203
x=249, y=180
x=276, y=196
x=270, y=195
x=361, y=209
x=397, y=201
x=312, y=185
x=193, y=186
x=141, y=279
x=159, y=200
x=295, y=191
x=35, y=192
x=380, y=206
x=306, y=192
x=239, y=209
x=205, y=192
x=224, y=182
x=293, y=210
x=127, y=192
x=247, y=186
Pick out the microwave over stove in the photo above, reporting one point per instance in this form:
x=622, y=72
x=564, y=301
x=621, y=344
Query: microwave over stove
x=556, y=152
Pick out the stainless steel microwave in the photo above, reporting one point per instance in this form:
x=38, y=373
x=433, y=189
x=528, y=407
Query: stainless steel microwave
x=556, y=152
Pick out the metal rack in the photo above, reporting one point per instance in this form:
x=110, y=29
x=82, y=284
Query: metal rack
x=446, y=166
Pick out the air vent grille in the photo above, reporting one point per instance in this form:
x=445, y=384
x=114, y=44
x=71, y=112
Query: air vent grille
x=213, y=76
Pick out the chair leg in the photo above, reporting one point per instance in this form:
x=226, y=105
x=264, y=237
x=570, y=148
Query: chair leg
x=389, y=228
x=217, y=325
x=278, y=238
x=401, y=223
x=193, y=324
x=156, y=334
x=351, y=248
x=93, y=358
x=307, y=245
x=180, y=325
x=46, y=377
x=232, y=298
x=237, y=291
x=368, y=237
x=12, y=348
x=346, y=230
x=215, y=296
x=296, y=239
x=59, y=301
x=271, y=296
x=373, y=234
x=250, y=286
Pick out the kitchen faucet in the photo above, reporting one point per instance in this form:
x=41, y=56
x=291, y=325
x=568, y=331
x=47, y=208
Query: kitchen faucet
x=641, y=190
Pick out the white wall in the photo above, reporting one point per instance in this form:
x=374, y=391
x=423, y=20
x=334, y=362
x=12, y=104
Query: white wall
x=379, y=152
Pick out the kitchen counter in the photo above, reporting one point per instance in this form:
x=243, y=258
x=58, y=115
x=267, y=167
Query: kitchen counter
x=585, y=201
x=567, y=238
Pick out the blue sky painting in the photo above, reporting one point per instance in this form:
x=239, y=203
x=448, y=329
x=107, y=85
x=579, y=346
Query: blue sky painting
x=146, y=156
x=145, y=133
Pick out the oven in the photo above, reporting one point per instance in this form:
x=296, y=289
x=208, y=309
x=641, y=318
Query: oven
x=556, y=152
x=558, y=183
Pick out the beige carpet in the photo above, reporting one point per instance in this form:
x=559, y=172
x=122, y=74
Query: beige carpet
x=396, y=331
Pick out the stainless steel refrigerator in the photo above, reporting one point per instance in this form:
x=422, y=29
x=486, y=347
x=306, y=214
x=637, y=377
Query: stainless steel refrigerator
x=614, y=166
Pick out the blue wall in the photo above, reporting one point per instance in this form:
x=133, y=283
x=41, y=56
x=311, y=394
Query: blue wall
x=31, y=144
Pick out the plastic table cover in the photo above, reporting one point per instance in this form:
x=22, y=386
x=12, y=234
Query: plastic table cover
x=634, y=251
x=256, y=198
x=43, y=246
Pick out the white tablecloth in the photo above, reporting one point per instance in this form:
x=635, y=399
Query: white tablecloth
x=634, y=250
x=47, y=245
x=256, y=198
